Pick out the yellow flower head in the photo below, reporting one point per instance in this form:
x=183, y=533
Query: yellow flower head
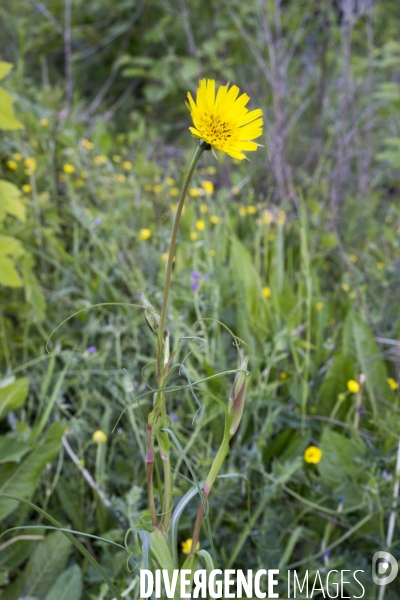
x=68, y=169
x=203, y=208
x=116, y=158
x=242, y=211
x=101, y=159
x=157, y=188
x=211, y=170
x=214, y=219
x=87, y=144
x=223, y=121
x=194, y=192
x=44, y=122
x=251, y=210
x=84, y=175
x=353, y=386
x=211, y=252
x=144, y=234
x=319, y=305
x=267, y=218
x=174, y=191
x=393, y=383
x=345, y=287
x=266, y=292
x=11, y=164
x=17, y=156
x=26, y=188
x=127, y=165
x=187, y=544
x=380, y=265
x=200, y=225
x=120, y=177
x=313, y=455
x=30, y=164
x=194, y=236
x=281, y=217
x=164, y=256
x=208, y=186
x=353, y=258
x=170, y=181
x=99, y=437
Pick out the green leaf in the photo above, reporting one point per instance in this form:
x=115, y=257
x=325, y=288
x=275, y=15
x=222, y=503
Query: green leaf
x=48, y=560
x=10, y=201
x=12, y=450
x=13, y=396
x=68, y=585
x=338, y=453
x=341, y=369
x=21, y=479
x=33, y=293
x=9, y=274
x=5, y=68
x=7, y=119
x=10, y=246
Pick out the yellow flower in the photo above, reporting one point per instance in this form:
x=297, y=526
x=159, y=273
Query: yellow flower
x=345, y=287
x=214, y=219
x=79, y=183
x=353, y=258
x=223, y=121
x=380, y=265
x=211, y=170
x=283, y=375
x=271, y=236
x=68, y=169
x=200, y=225
x=144, y=234
x=35, y=144
x=101, y=159
x=148, y=187
x=99, y=437
x=116, y=158
x=120, y=177
x=211, y=252
x=203, y=208
x=281, y=217
x=164, y=256
x=173, y=207
x=353, y=386
x=313, y=455
x=17, y=156
x=11, y=164
x=174, y=191
x=235, y=191
x=194, y=235
x=267, y=218
x=87, y=144
x=242, y=211
x=44, y=122
x=208, y=186
x=393, y=383
x=157, y=188
x=187, y=544
x=251, y=210
x=194, y=192
x=266, y=292
x=26, y=188
x=30, y=164
x=127, y=165
x=319, y=305
x=170, y=181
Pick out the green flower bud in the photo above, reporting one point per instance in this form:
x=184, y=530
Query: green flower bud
x=152, y=317
x=238, y=394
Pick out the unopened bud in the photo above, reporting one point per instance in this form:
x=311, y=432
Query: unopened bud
x=238, y=395
x=150, y=314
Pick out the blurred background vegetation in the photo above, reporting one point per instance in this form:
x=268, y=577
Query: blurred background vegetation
x=297, y=252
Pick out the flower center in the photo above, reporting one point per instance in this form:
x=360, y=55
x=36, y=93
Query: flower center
x=215, y=129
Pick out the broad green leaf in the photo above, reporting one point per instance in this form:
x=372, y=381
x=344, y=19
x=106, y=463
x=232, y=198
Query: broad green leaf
x=68, y=585
x=160, y=552
x=13, y=396
x=9, y=274
x=21, y=479
x=341, y=369
x=10, y=246
x=48, y=560
x=10, y=202
x=5, y=68
x=12, y=450
x=7, y=119
x=338, y=453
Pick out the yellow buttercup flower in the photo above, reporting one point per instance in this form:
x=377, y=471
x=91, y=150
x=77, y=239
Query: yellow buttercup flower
x=17, y=156
x=68, y=169
x=87, y=144
x=84, y=175
x=44, y=122
x=30, y=164
x=194, y=192
x=211, y=252
x=380, y=265
x=194, y=236
x=283, y=375
x=120, y=177
x=11, y=164
x=211, y=170
x=353, y=386
x=164, y=256
x=313, y=455
x=157, y=188
x=170, y=181
x=187, y=545
x=148, y=187
x=266, y=292
x=214, y=219
x=101, y=159
x=267, y=218
x=174, y=191
x=319, y=305
x=251, y=210
x=223, y=121
x=144, y=234
x=353, y=258
x=116, y=158
x=26, y=188
x=242, y=211
x=345, y=287
x=203, y=208
x=393, y=383
x=127, y=165
x=208, y=186
x=200, y=225
x=99, y=437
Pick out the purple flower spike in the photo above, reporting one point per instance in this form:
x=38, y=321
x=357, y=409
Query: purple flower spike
x=196, y=275
x=91, y=349
x=174, y=417
x=327, y=553
x=385, y=475
x=194, y=287
x=97, y=221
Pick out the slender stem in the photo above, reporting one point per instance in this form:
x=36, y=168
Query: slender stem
x=168, y=273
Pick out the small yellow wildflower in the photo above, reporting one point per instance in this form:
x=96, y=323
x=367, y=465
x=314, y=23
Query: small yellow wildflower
x=345, y=287
x=87, y=144
x=208, y=186
x=319, y=305
x=223, y=120
x=44, y=122
x=99, y=437
x=68, y=169
x=313, y=455
x=267, y=218
x=393, y=383
x=214, y=219
x=148, y=187
x=235, y=191
x=200, y=225
x=11, y=164
x=116, y=158
x=144, y=234
x=266, y=292
x=194, y=192
x=170, y=181
x=353, y=258
x=35, y=144
x=242, y=211
x=271, y=236
x=100, y=159
x=79, y=183
x=211, y=170
x=281, y=217
x=17, y=156
x=174, y=191
x=84, y=175
x=194, y=236
x=157, y=188
x=164, y=256
x=203, y=208
x=26, y=188
x=380, y=265
x=120, y=177
x=211, y=252
x=173, y=207
x=127, y=165
x=283, y=375
x=353, y=386
x=251, y=210
x=187, y=545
